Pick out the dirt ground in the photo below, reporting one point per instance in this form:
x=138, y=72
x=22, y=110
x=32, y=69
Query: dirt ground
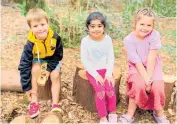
x=13, y=33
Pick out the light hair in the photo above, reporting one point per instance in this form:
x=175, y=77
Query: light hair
x=143, y=12
x=36, y=14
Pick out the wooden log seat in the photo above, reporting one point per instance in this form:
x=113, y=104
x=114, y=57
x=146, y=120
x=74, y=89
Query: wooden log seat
x=10, y=81
x=44, y=118
x=169, y=81
x=83, y=91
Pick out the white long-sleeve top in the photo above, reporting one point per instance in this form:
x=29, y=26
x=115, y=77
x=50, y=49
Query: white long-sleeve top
x=97, y=55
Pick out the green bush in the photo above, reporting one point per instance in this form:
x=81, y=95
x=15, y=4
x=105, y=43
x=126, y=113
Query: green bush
x=161, y=7
x=72, y=28
x=26, y=5
x=126, y=16
x=70, y=21
x=165, y=8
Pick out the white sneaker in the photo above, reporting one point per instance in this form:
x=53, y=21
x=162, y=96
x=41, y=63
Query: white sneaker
x=103, y=121
x=161, y=120
x=112, y=118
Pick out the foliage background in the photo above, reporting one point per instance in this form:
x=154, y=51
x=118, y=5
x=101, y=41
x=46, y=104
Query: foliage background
x=68, y=17
x=69, y=21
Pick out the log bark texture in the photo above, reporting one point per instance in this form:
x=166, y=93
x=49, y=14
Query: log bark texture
x=10, y=81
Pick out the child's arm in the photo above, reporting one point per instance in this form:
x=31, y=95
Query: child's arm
x=155, y=44
x=57, y=56
x=25, y=66
x=142, y=71
x=133, y=57
x=84, y=60
x=110, y=59
x=110, y=63
x=151, y=62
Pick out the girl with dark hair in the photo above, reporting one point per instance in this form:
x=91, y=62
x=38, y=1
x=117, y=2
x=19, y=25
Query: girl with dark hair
x=97, y=56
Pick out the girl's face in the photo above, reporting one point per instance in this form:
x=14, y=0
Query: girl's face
x=144, y=26
x=96, y=29
x=40, y=28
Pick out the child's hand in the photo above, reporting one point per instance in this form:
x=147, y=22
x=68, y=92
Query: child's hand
x=148, y=85
x=110, y=80
x=99, y=79
x=148, y=88
x=45, y=73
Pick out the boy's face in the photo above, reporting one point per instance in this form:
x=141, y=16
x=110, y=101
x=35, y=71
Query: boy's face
x=144, y=26
x=40, y=28
x=96, y=29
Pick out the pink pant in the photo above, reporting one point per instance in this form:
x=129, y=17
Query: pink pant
x=136, y=90
x=105, y=97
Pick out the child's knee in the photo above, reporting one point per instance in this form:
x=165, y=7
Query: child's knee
x=157, y=87
x=157, y=91
x=110, y=93
x=100, y=95
x=55, y=75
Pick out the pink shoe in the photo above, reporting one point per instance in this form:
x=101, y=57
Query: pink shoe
x=55, y=108
x=34, y=109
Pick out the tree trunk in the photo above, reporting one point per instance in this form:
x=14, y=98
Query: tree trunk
x=11, y=82
x=79, y=67
x=169, y=85
x=83, y=91
x=44, y=118
x=52, y=118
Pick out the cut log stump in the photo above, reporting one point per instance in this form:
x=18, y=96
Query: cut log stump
x=52, y=118
x=19, y=120
x=79, y=67
x=83, y=91
x=45, y=118
x=10, y=81
x=169, y=86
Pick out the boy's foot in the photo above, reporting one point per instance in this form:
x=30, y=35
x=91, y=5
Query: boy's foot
x=112, y=118
x=55, y=108
x=34, y=109
x=161, y=120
